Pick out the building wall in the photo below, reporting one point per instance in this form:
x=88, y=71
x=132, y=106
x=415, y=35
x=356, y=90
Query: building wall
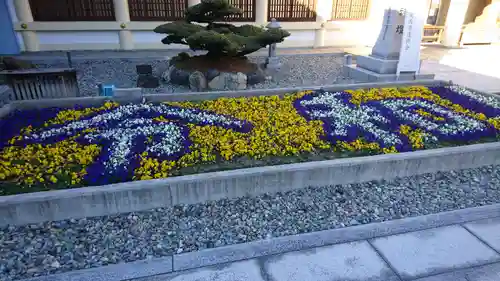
x=475, y=9
x=105, y=35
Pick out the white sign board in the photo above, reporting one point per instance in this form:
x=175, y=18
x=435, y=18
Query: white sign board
x=409, y=56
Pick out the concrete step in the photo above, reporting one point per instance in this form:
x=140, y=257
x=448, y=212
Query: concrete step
x=364, y=75
x=378, y=65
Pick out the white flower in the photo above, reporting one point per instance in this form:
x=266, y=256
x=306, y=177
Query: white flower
x=342, y=116
x=454, y=123
x=491, y=101
x=122, y=126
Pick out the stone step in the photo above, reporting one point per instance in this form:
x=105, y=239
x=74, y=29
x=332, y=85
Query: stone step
x=364, y=75
x=378, y=65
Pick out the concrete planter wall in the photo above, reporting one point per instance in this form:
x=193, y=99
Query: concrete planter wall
x=142, y=195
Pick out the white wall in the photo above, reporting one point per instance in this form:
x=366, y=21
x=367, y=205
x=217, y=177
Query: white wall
x=358, y=32
x=83, y=40
x=299, y=38
x=151, y=40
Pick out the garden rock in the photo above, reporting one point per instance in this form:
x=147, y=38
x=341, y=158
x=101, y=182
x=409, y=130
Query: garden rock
x=237, y=81
x=147, y=81
x=197, y=81
x=165, y=76
x=213, y=78
x=179, y=76
x=219, y=82
x=229, y=81
x=256, y=77
x=212, y=73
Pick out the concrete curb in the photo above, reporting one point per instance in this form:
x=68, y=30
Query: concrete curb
x=273, y=246
x=142, y=195
x=114, y=272
x=196, y=96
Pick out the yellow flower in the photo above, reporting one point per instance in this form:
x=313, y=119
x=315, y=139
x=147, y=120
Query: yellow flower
x=53, y=179
x=278, y=130
x=416, y=137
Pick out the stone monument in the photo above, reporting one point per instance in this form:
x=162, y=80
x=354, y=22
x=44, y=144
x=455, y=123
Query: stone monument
x=382, y=64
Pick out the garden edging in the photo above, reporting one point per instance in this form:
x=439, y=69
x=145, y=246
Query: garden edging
x=142, y=195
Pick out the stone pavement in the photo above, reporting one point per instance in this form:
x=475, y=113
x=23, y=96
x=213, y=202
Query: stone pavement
x=468, y=252
x=470, y=79
x=472, y=66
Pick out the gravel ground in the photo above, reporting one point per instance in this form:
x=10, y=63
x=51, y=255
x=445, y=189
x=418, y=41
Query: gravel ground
x=76, y=244
x=298, y=70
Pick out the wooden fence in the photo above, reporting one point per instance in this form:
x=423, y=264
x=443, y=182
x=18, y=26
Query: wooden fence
x=292, y=10
x=30, y=84
x=72, y=10
x=432, y=33
x=350, y=9
x=248, y=8
x=157, y=10
x=171, y=10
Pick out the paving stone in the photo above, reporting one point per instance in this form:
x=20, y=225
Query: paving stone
x=485, y=273
x=454, y=276
x=239, y=271
x=429, y=66
x=428, y=252
x=343, y=262
x=488, y=230
x=471, y=80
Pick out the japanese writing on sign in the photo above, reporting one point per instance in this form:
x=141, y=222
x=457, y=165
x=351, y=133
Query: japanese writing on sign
x=387, y=23
x=410, y=25
x=399, y=29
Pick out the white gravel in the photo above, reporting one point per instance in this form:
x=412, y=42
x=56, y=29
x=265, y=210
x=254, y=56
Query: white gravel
x=298, y=70
x=61, y=246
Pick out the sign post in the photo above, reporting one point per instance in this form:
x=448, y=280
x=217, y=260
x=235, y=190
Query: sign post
x=409, y=56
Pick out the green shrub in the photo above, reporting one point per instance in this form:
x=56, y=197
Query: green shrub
x=219, y=39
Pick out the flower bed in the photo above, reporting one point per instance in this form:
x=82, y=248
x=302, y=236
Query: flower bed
x=57, y=148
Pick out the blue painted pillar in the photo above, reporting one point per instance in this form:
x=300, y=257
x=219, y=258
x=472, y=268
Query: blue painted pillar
x=9, y=44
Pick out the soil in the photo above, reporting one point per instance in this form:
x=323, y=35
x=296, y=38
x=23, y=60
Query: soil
x=222, y=64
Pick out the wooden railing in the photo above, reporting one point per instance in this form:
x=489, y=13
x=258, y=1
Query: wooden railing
x=432, y=34
x=74, y=10
x=350, y=9
x=157, y=10
x=292, y=10
x=247, y=7
x=30, y=84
